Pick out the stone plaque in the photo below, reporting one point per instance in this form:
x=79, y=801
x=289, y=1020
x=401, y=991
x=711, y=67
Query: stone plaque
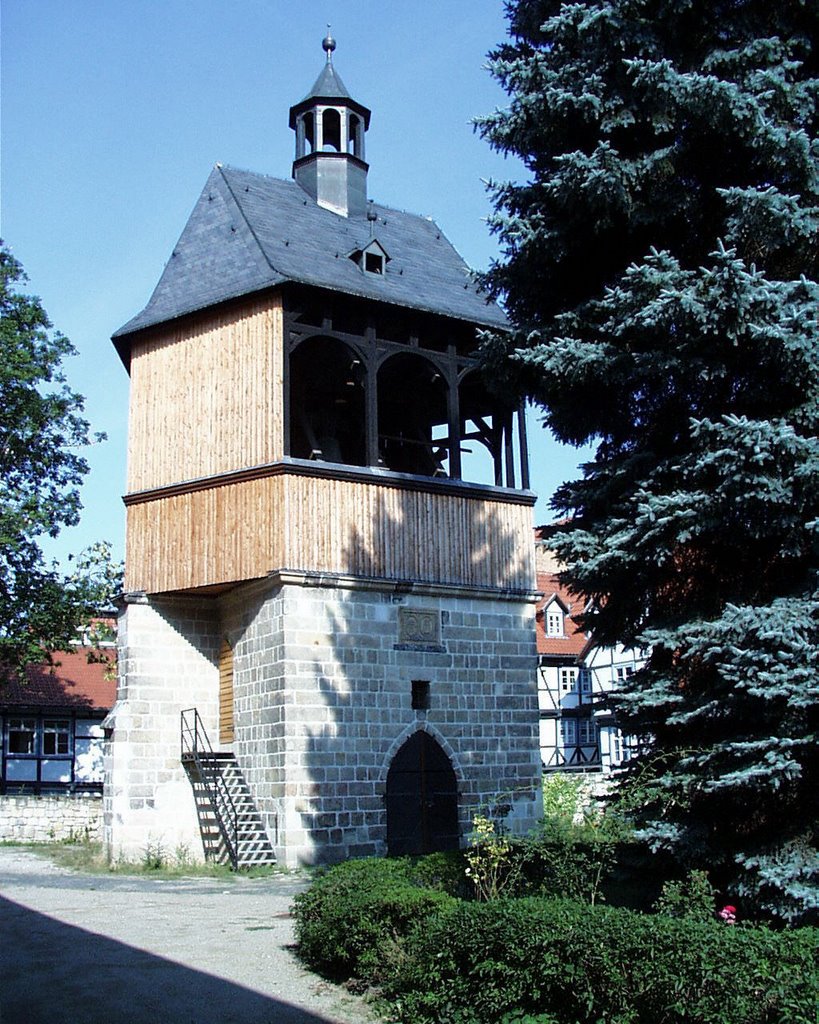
x=418, y=626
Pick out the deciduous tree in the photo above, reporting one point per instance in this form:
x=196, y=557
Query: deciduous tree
x=42, y=434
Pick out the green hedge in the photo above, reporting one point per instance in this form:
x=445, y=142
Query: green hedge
x=353, y=921
x=563, y=962
x=537, y=960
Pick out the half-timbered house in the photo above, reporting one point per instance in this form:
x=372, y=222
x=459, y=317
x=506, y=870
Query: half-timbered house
x=578, y=731
x=52, y=742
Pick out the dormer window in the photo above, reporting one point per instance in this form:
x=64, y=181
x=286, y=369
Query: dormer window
x=372, y=258
x=554, y=620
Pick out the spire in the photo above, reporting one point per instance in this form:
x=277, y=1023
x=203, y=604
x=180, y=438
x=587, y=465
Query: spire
x=328, y=85
x=328, y=44
x=330, y=126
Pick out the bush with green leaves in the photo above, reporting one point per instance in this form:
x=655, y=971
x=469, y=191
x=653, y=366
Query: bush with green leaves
x=354, y=920
x=563, y=962
x=692, y=896
x=574, y=862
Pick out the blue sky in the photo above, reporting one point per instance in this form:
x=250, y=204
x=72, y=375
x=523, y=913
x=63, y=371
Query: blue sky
x=114, y=112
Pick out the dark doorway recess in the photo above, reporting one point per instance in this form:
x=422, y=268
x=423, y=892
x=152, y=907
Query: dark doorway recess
x=422, y=799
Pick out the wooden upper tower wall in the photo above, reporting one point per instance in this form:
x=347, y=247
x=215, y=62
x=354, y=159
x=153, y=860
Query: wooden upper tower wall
x=206, y=396
x=304, y=387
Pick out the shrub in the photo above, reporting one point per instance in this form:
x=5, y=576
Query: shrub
x=354, y=919
x=491, y=862
x=566, y=798
x=561, y=962
x=573, y=861
x=443, y=872
x=693, y=896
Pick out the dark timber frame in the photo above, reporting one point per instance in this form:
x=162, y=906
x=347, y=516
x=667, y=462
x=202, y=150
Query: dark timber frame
x=388, y=351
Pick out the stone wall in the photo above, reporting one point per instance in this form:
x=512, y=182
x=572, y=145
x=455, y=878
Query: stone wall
x=323, y=677
x=167, y=662
x=323, y=672
x=44, y=819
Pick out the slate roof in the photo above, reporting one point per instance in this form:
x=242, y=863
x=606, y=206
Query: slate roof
x=249, y=232
x=328, y=86
x=72, y=683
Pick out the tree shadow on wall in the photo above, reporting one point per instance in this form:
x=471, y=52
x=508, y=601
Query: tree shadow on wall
x=363, y=670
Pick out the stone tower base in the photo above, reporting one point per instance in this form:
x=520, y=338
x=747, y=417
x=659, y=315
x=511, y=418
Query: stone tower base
x=331, y=677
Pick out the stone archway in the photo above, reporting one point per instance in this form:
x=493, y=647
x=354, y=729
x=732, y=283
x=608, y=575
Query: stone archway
x=422, y=799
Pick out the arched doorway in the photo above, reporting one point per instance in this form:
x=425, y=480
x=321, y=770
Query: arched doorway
x=422, y=799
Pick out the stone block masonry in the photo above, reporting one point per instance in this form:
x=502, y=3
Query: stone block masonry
x=331, y=677
x=323, y=678
x=51, y=819
x=168, y=662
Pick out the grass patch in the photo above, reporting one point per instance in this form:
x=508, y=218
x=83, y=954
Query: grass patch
x=90, y=858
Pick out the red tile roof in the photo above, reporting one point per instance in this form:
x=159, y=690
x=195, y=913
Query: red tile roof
x=575, y=641
x=72, y=682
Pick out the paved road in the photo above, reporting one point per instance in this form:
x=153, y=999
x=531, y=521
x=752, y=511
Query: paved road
x=112, y=949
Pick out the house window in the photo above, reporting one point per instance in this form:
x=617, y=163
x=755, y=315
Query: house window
x=586, y=732
x=56, y=737
x=51, y=752
x=568, y=678
x=585, y=680
x=554, y=622
x=623, y=673
x=568, y=732
x=22, y=736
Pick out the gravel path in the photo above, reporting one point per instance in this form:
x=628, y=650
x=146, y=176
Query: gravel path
x=78, y=948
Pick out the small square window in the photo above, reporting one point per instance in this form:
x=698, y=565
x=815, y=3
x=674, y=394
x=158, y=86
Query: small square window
x=420, y=695
x=56, y=737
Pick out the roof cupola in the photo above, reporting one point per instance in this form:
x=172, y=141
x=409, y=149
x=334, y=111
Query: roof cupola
x=330, y=127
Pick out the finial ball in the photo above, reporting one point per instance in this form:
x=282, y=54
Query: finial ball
x=328, y=43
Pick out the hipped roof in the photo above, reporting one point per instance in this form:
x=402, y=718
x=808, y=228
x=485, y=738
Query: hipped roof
x=250, y=232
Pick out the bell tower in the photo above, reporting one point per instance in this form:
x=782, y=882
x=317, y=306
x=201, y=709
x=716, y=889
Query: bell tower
x=330, y=127
x=329, y=547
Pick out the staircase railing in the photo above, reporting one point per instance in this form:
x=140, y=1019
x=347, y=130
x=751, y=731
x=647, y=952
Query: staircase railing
x=197, y=749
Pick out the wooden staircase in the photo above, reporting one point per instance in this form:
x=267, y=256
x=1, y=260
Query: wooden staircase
x=229, y=821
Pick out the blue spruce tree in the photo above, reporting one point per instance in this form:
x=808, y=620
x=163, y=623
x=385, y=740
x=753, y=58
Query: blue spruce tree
x=660, y=268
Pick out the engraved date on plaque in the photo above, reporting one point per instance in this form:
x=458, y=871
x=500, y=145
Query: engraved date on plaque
x=418, y=626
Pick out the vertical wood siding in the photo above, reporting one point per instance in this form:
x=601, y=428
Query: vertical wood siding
x=243, y=530
x=206, y=396
x=225, y=693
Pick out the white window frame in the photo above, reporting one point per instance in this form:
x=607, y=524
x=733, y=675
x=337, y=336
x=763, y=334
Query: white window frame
x=554, y=623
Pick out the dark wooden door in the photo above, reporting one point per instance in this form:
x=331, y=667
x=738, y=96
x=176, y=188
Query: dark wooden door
x=422, y=799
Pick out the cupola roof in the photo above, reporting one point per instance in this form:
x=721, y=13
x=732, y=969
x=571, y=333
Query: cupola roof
x=328, y=87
